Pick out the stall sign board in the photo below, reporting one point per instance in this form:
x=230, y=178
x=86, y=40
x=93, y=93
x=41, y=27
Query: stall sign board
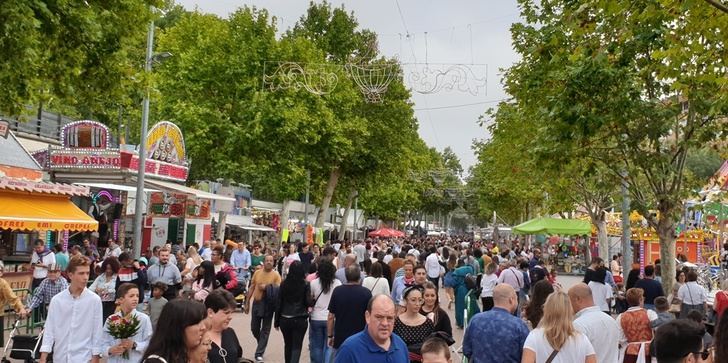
x=166, y=143
x=167, y=204
x=84, y=159
x=159, y=169
x=198, y=208
x=20, y=282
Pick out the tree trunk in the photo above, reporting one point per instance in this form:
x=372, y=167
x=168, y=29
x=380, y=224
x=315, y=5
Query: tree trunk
x=345, y=217
x=666, y=232
x=285, y=215
x=602, y=239
x=330, y=188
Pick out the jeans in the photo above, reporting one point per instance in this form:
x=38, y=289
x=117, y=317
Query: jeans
x=317, y=340
x=260, y=327
x=293, y=330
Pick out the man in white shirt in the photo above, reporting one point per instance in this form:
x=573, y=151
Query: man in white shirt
x=39, y=262
x=360, y=250
x=601, y=329
x=432, y=265
x=73, y=328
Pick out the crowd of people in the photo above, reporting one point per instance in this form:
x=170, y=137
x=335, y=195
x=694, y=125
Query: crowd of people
x=367, y=301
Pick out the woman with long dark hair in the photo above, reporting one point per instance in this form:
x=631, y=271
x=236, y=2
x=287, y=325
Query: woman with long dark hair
x=292, y=311
x=321, y=290
x=205, y=281
x=431, y=309
x=534, y=309
x=412, y=326
x=179, y=331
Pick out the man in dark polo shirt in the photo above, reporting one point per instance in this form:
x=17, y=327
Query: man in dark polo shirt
x=652, y=288
x=375, y=343
x=346, y=308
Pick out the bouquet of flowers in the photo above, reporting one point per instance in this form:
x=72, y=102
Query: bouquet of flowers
x=122, y=328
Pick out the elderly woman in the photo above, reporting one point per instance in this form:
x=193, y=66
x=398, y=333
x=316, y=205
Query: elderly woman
x=635, y=331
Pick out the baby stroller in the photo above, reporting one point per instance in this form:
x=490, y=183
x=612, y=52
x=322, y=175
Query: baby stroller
x=25, y=348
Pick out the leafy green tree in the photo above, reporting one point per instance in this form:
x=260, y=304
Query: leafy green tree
x=84, y=59
x=632, y=85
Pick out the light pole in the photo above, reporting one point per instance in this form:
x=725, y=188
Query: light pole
x=139, y=203
x=305, y=206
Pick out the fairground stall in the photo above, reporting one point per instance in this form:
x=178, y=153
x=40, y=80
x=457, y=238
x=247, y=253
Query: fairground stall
x=31, y=209
x=173, y=212
x=566, y=248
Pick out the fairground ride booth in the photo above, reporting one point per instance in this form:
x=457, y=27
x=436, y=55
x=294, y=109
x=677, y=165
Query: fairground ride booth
x=173, y=212
x=570, y=253
x=31, y=208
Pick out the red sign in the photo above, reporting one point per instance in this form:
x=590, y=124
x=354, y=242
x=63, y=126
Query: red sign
x=154, y=167
x=62, y=159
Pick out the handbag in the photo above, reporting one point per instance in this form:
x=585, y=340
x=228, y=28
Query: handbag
x=313, y=305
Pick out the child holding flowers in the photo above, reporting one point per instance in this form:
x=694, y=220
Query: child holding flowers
x=127, y=332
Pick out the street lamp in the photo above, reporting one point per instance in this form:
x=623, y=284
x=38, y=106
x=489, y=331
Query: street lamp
x=139, y=205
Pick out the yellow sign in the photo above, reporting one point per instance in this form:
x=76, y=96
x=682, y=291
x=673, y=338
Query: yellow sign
x=166, y=143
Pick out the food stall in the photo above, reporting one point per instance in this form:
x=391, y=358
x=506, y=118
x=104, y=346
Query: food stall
x=31, y=208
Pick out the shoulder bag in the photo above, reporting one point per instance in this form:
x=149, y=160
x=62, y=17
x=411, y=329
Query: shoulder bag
x=552, y=356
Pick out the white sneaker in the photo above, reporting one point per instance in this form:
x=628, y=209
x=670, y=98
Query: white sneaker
x=259, y=358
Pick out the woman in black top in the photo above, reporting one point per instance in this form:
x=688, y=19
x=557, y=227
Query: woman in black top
x=431, y=309
x=292, y=311
x=179, y=332
x=225, y=347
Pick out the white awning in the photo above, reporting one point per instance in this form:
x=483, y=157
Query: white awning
x=245, y=222
x=125, y=188
x=186, y=190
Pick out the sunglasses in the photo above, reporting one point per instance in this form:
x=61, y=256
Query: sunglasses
x=703, y=355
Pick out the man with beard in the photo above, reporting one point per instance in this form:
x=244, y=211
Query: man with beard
x=166, y=273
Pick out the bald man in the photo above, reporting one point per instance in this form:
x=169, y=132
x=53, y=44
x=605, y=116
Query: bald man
x=375, y=343
x=601, y=329
x=496, y=336
x=349, y=260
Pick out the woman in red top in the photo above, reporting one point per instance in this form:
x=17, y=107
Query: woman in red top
x=721, y=299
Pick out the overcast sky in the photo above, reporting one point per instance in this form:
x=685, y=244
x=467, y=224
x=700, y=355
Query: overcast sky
x=450, y=26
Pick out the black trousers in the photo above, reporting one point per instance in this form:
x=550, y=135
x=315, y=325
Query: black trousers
x=108, y=308
x=293, y=330
x=487, y=302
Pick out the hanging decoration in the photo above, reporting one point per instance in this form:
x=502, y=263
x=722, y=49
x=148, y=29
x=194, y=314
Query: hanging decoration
x=319, y=79
x=373, y=79
x=435, y=78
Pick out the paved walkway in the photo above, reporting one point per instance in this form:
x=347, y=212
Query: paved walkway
x=274, y=353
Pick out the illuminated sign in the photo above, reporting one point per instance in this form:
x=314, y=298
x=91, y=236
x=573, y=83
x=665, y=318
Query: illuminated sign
x=85, y=134
x=84, y=159
x=165, y=143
